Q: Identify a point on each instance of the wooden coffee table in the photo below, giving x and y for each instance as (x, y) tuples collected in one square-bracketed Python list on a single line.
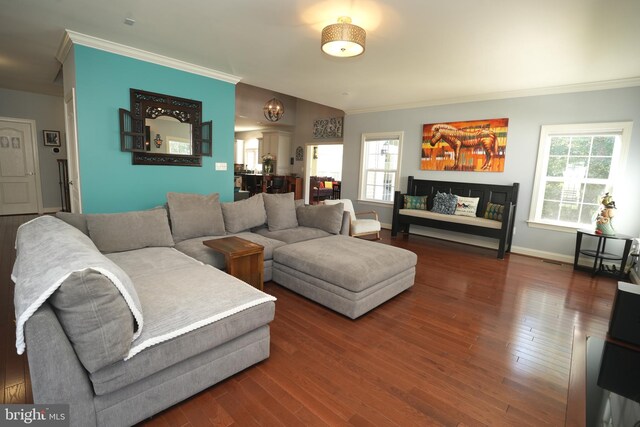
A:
[(244, 259)]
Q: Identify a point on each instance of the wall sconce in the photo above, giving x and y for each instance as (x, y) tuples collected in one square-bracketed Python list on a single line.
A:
[(273, 110), (158, 140)]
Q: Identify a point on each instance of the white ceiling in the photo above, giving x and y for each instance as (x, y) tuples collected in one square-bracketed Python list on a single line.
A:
[(419, 52)]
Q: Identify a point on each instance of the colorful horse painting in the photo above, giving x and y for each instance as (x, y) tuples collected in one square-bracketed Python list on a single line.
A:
[(465, 136)]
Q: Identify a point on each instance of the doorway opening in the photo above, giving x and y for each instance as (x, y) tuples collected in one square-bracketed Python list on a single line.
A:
[(323, 172)]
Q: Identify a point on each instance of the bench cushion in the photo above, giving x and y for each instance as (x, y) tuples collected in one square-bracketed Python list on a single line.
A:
[(480, 222)]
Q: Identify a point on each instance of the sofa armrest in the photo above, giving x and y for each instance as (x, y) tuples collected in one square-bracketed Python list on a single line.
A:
[(57, 376)]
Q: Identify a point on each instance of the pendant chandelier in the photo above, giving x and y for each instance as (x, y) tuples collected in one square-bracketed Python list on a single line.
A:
[(273, 110), (343, 39)]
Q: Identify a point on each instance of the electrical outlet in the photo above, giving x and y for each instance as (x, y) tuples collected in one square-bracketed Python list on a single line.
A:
[(220, 166)]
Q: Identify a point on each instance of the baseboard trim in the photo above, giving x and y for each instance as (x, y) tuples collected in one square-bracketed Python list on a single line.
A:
[(453, 236), (565, 259), (52, 210), (490, 244)]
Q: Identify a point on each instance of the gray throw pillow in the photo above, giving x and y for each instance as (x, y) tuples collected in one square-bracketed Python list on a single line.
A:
[(95, 318), (244, 214), (129, 230), (195, 215), (324, 217), (281, 211), (79, 221), (444, 203)]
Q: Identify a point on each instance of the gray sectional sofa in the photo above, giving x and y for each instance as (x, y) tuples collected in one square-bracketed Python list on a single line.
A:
[(131, 313)]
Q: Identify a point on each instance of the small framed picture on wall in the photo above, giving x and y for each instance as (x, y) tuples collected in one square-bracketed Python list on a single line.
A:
[(51, 138)]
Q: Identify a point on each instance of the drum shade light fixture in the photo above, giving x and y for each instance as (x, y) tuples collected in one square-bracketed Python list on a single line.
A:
[(343, 39), (273, 110)]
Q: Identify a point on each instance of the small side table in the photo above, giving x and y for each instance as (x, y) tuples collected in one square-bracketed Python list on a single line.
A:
[(600, 254), (244, 259)]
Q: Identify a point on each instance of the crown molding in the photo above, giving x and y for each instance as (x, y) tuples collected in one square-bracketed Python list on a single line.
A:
[(552, 90), (72, 37)]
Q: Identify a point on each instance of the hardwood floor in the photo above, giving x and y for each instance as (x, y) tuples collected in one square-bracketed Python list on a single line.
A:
[(476, 341)]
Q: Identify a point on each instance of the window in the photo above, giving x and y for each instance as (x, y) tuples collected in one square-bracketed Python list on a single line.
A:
[(380, 164), (577, 164), (179, 145)]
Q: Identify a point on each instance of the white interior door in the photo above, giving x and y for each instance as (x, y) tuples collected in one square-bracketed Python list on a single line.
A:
[(19, 168), (75, 200)]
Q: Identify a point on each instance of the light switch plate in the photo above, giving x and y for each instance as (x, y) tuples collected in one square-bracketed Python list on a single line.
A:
[(220, 166)]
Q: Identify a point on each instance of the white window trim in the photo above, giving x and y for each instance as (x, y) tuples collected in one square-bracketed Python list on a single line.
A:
[(546, 131), (362, 187)]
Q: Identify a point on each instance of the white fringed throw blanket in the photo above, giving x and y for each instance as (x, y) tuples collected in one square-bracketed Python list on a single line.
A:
[(49, 251), (178, 293)]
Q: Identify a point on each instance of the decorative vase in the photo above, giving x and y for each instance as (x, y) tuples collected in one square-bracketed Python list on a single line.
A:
[(267, 168), (604, 219)]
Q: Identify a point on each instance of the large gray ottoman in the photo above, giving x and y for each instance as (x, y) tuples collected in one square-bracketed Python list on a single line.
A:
[(346, 274)]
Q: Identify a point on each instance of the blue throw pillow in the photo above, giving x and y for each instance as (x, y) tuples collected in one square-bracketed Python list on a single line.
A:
[(444, 203)]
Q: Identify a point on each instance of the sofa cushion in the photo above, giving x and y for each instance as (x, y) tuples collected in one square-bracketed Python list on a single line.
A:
[(195, 215), (173, 288), (244, 214), (197, 250), (129, 230), (292, 235), (281, 211), (95, 318), (79, 221), (324, 217)]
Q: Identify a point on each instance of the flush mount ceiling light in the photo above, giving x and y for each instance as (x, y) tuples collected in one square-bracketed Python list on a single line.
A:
[(343, 39), (273, 110)]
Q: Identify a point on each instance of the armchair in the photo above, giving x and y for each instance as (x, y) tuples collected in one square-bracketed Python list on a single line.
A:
[(359, 226)]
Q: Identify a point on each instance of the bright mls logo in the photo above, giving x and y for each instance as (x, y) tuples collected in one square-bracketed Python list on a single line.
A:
[(36, 415)]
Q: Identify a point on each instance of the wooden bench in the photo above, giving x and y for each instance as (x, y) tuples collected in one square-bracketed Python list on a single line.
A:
[(506, 195)]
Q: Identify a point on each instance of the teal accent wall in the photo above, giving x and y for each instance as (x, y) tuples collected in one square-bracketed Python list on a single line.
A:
[(110, 183)]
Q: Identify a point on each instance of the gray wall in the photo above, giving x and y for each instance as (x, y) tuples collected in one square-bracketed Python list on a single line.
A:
[(48, 112), (307, 113), (526, 115), (298, 118)]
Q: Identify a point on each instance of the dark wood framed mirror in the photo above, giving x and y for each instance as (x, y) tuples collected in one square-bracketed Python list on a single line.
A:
[(165, 130)]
